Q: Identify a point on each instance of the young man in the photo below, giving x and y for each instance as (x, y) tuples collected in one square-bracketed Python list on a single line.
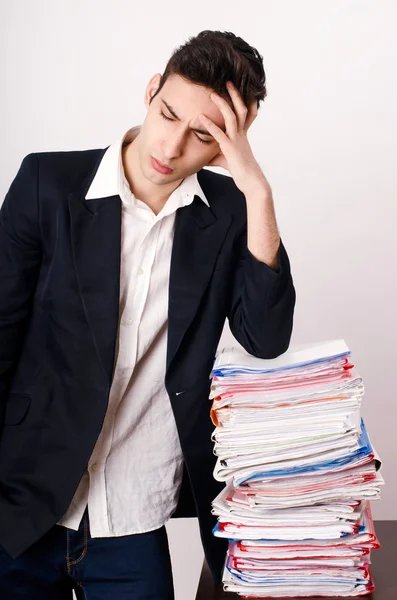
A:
[(118, 268)]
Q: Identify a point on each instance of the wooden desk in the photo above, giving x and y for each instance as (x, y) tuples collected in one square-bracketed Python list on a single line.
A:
[(383, 568)]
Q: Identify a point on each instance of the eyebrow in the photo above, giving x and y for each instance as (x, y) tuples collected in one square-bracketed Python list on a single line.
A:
[(202, 131)]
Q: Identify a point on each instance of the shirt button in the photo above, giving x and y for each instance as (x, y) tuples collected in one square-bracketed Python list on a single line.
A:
[(129, 321), (140, 271), (94, 467)]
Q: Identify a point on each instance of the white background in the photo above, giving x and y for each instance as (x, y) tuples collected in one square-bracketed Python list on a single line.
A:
[(73, 76)]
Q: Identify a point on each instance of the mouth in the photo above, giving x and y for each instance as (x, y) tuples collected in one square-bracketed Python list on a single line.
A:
[(160, 167)]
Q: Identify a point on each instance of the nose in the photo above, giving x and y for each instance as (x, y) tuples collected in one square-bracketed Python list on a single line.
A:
[(173, 146)]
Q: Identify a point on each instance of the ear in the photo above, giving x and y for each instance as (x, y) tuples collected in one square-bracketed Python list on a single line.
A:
[(152, 88)]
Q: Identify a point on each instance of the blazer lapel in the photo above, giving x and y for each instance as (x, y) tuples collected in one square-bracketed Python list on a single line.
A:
[(198, 237), (96, 243)]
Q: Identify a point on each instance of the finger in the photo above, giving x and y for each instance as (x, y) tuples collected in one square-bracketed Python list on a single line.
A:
[(252, 114), (240, 107), (227, 112), (214, 130)]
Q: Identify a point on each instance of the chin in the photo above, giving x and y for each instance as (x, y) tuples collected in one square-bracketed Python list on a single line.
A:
[(155, 177), (148, 172)]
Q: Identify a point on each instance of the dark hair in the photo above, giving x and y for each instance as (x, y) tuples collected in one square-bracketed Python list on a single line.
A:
[(211, 58)]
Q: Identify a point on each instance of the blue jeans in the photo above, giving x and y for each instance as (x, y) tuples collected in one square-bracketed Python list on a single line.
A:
[(131, 567)]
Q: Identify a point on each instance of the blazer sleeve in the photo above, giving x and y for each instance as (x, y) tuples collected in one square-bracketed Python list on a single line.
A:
[(261, 303), (20, 260)]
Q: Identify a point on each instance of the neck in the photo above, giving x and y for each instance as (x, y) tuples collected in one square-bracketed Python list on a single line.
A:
[(154, 195)]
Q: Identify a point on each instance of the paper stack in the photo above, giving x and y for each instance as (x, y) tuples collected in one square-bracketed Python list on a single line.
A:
[(299, 470)]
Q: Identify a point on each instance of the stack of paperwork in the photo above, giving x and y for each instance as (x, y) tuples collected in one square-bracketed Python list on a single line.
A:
[(299, 472)]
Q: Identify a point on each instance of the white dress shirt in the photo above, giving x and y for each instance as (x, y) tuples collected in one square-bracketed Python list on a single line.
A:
[(133, 478)]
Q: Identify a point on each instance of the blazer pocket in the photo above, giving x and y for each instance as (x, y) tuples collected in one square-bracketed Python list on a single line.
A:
[(17, 408)]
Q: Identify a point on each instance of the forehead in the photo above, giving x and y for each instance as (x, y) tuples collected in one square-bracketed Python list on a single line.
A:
[(177, 84), (189, 99)]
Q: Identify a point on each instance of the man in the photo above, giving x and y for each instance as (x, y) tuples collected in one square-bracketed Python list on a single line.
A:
[(118, 268)]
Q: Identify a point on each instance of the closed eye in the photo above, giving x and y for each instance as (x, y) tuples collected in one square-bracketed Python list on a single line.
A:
[(166, 118), (196, 136)]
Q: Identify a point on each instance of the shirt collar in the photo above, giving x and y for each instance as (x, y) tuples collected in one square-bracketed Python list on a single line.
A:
[(110, 179)]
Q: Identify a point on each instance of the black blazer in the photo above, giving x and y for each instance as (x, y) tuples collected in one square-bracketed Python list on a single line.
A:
[(59, 302)]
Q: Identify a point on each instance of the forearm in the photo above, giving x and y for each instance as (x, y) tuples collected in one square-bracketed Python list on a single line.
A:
[(263, 239)]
